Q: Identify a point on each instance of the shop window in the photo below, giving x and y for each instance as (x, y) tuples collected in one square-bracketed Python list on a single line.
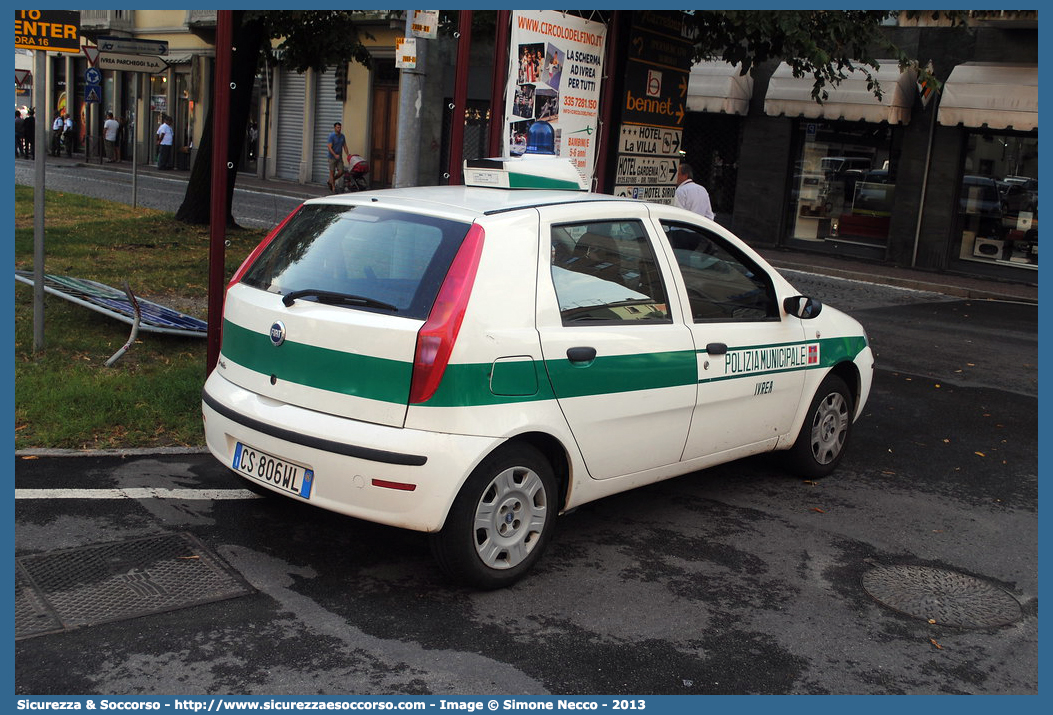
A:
[(843, 183), (998, 200)]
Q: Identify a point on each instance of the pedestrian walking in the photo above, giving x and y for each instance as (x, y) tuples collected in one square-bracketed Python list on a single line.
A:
[(20, 149), (122, 133), (109, 135), (165, 137), (67, 135), (29, 134), (689, 195), (56, 134), (337, 147)]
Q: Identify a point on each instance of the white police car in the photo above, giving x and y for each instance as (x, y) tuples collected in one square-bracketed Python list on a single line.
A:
[(471, 361)]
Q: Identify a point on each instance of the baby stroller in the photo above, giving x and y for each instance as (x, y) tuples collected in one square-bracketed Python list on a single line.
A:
[(353, 176)]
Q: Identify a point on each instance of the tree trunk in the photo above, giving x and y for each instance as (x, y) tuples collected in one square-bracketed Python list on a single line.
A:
[(196, 207)]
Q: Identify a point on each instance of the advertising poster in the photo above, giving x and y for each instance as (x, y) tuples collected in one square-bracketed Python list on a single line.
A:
[(555, 68)]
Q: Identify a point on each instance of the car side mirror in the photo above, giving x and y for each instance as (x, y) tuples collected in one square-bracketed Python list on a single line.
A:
[(802, 307)]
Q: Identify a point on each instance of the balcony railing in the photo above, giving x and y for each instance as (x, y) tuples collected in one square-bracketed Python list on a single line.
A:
[(97, 21), (201, 19)]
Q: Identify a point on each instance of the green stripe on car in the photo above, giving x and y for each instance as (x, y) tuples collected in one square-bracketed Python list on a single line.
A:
[(468, 384), (322, 368)]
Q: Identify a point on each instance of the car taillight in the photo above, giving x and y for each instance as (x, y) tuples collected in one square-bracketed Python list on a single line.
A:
[(439, 333), (259, 249)]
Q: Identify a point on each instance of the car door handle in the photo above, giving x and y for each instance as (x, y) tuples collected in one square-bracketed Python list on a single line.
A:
[(717, 348), (581, 354)]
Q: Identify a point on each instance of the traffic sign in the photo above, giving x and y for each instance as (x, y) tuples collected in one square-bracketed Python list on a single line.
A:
[(650, 141), (92, 53), (654, 194), (646, 170), (131, 63), (655, 97), (23, 77), (92, 93), (132, 47), (92, 76)]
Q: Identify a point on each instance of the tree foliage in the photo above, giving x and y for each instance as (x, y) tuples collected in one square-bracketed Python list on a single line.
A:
[(826, 44), (314, 39), (309, 39)]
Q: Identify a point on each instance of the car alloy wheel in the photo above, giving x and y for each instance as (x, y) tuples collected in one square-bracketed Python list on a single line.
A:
[(824, 435), (501, 520)]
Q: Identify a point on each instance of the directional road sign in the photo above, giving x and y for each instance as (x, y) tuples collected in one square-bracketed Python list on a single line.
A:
[(650, 141), (643, 170), (92, 76), (131, 63), (132, 47)]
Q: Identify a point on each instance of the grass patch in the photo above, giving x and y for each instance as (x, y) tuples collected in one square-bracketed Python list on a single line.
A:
[(65, 396)]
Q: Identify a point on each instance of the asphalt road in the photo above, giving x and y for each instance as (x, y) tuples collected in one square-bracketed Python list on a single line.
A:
[(737, 579), (163, 191)]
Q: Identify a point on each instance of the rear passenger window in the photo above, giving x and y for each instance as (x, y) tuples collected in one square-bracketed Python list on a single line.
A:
[(605, 272), (364, 253), (722, 285)]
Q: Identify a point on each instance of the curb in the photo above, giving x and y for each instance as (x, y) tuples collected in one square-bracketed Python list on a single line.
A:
[(130, 452), (909, 283)]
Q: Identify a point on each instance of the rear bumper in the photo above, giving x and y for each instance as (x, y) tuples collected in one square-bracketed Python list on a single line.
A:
[(356, 465)]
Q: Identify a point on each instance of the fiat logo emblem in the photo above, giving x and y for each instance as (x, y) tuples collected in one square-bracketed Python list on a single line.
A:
[(277, 333)]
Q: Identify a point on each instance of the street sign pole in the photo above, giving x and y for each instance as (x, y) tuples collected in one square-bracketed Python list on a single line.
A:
[(134, 128), (40, 31), (220, 177), (39, 151)]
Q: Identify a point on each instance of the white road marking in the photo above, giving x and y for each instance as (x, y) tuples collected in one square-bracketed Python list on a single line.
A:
[(137, 493)]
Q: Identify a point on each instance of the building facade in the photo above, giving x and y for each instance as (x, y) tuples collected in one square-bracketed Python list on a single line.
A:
[(941, 183), (947, 182)]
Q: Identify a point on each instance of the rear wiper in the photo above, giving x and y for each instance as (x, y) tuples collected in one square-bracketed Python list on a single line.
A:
[(325, 296)]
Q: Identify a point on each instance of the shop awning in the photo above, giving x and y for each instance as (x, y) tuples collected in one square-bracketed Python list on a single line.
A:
[(1001, 96), (716, 86), (178, 58), (851, 99)]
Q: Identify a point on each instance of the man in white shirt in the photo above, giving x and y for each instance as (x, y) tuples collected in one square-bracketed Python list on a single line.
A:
[(689, 195), (56, 136), (165, 136), (109, 134), (67, 135)]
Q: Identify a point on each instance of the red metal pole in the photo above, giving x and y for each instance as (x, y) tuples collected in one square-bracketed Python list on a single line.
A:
[(502, 31), (218, 216), (460, 95), (612, 62)]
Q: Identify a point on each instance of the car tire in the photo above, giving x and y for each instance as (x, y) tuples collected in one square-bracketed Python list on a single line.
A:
[(501, 520), (821, 444)]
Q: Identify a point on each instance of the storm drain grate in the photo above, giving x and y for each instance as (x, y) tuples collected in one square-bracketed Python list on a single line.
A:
[(945, 597), (66, 589)]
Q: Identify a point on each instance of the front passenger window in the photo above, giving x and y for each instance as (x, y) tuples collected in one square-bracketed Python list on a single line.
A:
[(722, 285), (605, 272)]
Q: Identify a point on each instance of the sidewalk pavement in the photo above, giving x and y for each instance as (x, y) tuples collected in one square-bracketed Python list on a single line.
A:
[(825, 264)]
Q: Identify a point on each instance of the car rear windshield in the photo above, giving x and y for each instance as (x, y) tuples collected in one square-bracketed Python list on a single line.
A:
[(378, 259)]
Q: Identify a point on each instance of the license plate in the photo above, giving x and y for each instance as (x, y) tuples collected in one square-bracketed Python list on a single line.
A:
[(263, 467)]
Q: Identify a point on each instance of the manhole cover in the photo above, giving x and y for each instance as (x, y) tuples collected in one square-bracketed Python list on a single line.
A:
[(947, 597), (60, 590)]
